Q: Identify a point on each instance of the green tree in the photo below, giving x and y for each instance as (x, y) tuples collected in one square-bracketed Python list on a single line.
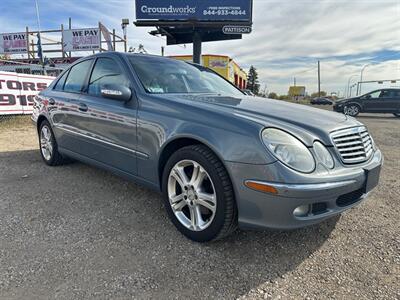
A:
[(314, 95), (283, 97), (273, 95), (252, 81)]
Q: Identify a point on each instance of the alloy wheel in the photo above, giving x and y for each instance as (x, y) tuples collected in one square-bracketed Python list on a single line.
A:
[(351, 110), (192, 195), (46, 145)]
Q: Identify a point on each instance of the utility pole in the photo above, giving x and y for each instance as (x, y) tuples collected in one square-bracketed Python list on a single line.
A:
[(197, 39), (319, 80)]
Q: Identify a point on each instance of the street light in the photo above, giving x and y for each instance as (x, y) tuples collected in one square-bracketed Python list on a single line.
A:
[(361, 76), (124, 24), (351, 87), (348, 84)]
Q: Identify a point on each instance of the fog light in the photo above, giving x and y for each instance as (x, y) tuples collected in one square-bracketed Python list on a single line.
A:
[(302, 210)]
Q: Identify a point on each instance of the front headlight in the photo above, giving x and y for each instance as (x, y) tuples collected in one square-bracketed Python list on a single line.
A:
[(288, 149), (323, 155)]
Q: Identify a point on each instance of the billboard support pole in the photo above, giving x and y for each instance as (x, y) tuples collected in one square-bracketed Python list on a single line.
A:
[(27, 42), (197, 47), (113, 41), (62, 41), (69, 27)]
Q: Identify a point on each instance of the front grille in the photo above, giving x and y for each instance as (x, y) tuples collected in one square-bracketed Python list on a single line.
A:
[(354, 145)]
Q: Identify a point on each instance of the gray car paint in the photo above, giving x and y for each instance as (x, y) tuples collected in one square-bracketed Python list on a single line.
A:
[(129, 138)]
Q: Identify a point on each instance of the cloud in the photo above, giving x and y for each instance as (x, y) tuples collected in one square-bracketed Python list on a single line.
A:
[(288, 37)]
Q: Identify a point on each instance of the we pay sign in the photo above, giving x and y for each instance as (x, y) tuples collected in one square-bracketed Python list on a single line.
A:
[(81, 39), (13, 43)]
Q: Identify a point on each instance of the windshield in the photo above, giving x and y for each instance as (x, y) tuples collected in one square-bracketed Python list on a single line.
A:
[(165, 76)]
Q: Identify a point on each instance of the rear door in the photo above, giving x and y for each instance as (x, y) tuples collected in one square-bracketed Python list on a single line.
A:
[(393, 102), (109, 126), (372, 102), (388, 103), (397, 99)]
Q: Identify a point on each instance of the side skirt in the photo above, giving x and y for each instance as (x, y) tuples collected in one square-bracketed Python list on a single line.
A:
[(113, 170)]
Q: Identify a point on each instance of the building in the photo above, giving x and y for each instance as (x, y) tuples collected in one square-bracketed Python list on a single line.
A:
[(223, 65), (297, 92)]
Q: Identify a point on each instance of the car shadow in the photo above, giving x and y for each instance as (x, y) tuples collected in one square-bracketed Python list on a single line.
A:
[(117, 239), (378, 117)]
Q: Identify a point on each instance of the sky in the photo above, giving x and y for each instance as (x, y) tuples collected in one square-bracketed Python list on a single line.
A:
[(288, 37)]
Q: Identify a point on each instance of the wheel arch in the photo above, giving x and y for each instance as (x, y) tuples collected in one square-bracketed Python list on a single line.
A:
[(179, 142), (355, 103), (39, 121)]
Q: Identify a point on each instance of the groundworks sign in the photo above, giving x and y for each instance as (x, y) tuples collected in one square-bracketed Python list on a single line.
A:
[(205, 10)]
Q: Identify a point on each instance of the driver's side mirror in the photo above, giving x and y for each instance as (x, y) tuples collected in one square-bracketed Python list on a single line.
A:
[(116, 92), (367, 97)]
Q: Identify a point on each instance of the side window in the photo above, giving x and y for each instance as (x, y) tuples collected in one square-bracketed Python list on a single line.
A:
[(76, 77), (375, 94), (105, 71), (60, 83), (384, 94)]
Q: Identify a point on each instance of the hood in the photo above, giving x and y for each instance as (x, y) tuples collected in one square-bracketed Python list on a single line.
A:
[(302, 120), (345, 100)]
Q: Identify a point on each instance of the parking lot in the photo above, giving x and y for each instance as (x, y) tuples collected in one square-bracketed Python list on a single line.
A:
[(79, 232)]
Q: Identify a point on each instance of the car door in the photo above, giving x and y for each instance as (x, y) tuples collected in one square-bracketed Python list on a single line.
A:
[(108, 126), (396, 100), (372, 102), (64, 104), (391, 101), (387, 103)]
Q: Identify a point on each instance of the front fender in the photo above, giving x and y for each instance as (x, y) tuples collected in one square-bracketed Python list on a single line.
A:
[(227, 145)]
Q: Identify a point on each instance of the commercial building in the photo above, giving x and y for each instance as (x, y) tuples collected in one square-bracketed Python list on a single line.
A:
[(223, 65), (297, 92)]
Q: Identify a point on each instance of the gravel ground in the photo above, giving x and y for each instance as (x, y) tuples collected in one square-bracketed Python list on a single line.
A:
[(79, 232)]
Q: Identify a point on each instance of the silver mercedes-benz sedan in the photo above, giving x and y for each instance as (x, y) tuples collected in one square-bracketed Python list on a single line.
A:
[(222, 159)]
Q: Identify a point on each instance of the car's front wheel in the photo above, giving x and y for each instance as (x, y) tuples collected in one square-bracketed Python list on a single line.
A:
[(48, 146), (352, 110), (198, 194)]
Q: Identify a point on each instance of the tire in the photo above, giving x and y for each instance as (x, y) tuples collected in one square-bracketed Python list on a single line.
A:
[(352, 110), (48, 146), (396, 115), (207, 192)]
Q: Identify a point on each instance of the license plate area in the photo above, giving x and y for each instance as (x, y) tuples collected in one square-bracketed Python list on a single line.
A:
[(372, 178)]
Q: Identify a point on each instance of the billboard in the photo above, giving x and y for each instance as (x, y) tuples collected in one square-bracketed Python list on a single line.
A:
[(86, 39), (205, 10), (17, 91), (13, 43)]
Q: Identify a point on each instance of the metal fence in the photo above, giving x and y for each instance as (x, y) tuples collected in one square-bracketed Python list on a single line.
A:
[(34, 69)]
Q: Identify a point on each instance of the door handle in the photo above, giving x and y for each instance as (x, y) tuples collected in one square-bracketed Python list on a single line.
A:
[(52, 101), (82, 107)]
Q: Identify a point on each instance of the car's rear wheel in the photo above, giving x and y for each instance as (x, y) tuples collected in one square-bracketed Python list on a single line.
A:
[(352, 110), (397, 115), (199, 195), (48, 146)]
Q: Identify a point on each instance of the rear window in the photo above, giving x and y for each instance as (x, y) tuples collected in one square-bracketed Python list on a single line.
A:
[(60, 83)]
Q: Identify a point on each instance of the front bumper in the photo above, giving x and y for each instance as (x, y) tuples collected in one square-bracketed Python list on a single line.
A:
[(338, 107), (326, 194)]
